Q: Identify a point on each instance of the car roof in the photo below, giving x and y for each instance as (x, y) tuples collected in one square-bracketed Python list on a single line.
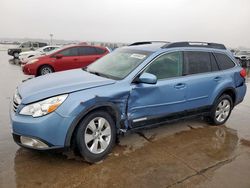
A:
[(80, 45)]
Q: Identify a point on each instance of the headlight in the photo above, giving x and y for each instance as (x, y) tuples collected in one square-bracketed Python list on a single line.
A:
[(44, 107), (32, 61)]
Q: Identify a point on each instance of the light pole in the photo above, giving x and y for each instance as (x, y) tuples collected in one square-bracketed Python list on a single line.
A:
[(51, 36)]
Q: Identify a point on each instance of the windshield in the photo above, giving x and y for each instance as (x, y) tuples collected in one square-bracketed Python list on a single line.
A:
[(243, 53), (53, 51), (118, 64), (40, 49)]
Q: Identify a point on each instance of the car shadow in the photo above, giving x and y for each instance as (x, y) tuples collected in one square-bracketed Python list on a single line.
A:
[(164, 151), (14, 61)]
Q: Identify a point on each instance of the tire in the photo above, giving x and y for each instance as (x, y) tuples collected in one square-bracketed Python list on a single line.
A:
[(45, 69), (96, 136), (15, 55), (221, 110)]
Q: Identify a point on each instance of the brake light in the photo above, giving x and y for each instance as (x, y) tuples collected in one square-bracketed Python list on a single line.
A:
[(243, 73)]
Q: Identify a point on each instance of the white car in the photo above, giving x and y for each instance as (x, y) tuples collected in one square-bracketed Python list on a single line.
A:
[(25, 56)]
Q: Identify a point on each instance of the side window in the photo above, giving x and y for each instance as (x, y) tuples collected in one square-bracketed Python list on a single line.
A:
[(26, 45), (69, 52), (42, 44), (35, 45), (87, 51), (196, 62), (46, 49), (224, 61), (100, 50), (166, 66)]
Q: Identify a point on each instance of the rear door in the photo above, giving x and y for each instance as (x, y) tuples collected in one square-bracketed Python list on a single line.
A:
[(88, 55), (70, 59), (202, 74)]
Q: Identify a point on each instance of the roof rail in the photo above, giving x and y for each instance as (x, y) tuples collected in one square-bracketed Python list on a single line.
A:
[(147, 42), (195, 44)]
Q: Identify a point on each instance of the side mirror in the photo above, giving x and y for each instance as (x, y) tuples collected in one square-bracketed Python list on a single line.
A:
[(147, 78), (58, 56)]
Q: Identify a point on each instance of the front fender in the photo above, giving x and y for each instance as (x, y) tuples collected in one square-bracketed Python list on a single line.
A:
[(84, 112)]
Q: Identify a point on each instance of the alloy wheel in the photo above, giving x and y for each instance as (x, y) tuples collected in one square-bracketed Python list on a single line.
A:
[(97, 135), (223, 110)]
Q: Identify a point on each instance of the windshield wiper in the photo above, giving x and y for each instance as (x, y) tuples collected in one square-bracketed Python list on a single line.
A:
[(93, 72), (96, 73)]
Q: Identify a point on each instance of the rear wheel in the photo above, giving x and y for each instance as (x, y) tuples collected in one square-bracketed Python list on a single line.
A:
[(95, 136), (221, 110), (15, 55), (45, 69)]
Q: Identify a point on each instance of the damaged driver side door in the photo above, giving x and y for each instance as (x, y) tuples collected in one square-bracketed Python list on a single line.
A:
[(149, 102)]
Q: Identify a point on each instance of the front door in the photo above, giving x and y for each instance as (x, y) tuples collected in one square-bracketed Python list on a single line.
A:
[(166, 97), (69, 60)]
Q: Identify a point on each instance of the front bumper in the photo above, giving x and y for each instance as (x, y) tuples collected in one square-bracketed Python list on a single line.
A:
[(27, 70), (10, 52), (18, 140), (50, 130)]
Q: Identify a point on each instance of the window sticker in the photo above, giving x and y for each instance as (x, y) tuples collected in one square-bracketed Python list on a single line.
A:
[(138, 56)]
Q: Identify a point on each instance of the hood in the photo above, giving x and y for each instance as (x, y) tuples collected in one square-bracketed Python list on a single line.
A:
[(59, 83), (26, 53)]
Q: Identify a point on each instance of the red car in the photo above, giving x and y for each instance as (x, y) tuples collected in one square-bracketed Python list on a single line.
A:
[(72, 57)]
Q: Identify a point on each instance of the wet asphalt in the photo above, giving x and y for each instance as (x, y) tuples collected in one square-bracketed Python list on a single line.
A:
[(188, 153)]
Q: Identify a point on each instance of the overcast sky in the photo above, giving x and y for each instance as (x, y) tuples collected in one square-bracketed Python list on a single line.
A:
[(224, 21)]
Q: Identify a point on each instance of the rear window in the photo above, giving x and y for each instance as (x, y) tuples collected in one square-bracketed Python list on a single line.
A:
[(224, 61), (196, 62), (100, 50)]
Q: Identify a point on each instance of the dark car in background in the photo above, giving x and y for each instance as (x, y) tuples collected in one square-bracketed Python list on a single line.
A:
[(70, 57), (243, 57), (26, 46)]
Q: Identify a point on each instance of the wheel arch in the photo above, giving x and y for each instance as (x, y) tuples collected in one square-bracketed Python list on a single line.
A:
[(229, 91), (31, 56), (111, 108)]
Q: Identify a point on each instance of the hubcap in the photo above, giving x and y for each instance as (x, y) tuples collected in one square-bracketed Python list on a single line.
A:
[(46, 70), (97, 135), (222, 110), (16, 55)]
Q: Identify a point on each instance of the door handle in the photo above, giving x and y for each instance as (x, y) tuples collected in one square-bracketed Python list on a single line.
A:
[(180, 86), (75, 59), (217, 78)]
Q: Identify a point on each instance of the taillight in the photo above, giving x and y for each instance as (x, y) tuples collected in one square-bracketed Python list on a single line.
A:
[(243, 73)]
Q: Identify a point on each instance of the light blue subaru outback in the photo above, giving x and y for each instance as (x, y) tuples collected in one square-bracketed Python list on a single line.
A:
[(143, 84)]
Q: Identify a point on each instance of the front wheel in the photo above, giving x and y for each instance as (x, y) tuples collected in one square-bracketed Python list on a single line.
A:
[(95, 136), (45, 69), (221, 110)]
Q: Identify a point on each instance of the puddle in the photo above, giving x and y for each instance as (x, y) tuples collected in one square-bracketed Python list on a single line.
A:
[(157, 163)]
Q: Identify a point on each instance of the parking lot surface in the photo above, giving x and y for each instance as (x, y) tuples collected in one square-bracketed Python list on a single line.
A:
[(187, 153)]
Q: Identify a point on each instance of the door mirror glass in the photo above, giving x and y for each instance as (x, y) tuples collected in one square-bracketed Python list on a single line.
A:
[(147, 78), (58, 56)]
